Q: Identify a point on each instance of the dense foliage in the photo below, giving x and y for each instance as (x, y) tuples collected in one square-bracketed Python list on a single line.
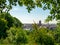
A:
[(38, 36), (17, 36), (11, 31), (7, 21)]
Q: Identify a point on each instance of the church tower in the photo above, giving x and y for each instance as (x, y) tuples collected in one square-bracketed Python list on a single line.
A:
[(40, 23)]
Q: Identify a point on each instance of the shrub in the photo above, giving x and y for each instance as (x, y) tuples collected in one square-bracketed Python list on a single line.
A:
[(17, 36)]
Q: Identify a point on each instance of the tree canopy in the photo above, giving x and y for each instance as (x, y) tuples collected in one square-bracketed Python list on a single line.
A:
[(10, 27), (52, 5), (7, 21)]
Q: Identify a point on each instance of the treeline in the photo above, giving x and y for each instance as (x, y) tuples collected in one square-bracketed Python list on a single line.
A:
[(12, 33)]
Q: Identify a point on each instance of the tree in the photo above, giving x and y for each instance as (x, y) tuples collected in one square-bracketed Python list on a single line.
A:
[(17, 22), (17, 36), (42, 36), (3, 27), (11, 21), (52, 5), (7, 21), (57, 33)]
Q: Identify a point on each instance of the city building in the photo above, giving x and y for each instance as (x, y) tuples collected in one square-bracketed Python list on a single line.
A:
[(30, 26)]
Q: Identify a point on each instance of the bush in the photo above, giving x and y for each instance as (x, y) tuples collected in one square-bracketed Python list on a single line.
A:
[(17, 36), (7, 21), (42, 36)]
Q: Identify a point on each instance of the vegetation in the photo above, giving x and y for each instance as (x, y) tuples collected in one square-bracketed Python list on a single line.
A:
[(11, 31), (38, 36), (15, 35), (7, 21), (52, 5)]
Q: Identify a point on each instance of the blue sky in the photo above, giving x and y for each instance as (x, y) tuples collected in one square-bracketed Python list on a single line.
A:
[(35, 15)]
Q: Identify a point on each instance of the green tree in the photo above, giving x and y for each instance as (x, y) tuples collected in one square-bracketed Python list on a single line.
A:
[(7, 21), (42, 36), (17, 36), (52, 5), (11, 21), (57, 33), (3, 27), (17, 22)]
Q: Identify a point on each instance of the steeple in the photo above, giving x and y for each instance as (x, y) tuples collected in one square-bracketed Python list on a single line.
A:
[(40, 23)]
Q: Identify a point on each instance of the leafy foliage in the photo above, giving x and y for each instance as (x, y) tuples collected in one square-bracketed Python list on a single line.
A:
[(7, 21), (52, 5), (17, 22), (10, 27), (3, 27), (43, 37), (16, 36), (38, 36)]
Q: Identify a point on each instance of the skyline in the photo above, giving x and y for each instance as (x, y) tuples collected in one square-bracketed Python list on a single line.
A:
[(35, 15)]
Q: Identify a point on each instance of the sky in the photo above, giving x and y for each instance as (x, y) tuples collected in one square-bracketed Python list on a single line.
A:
[(34, 16)]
